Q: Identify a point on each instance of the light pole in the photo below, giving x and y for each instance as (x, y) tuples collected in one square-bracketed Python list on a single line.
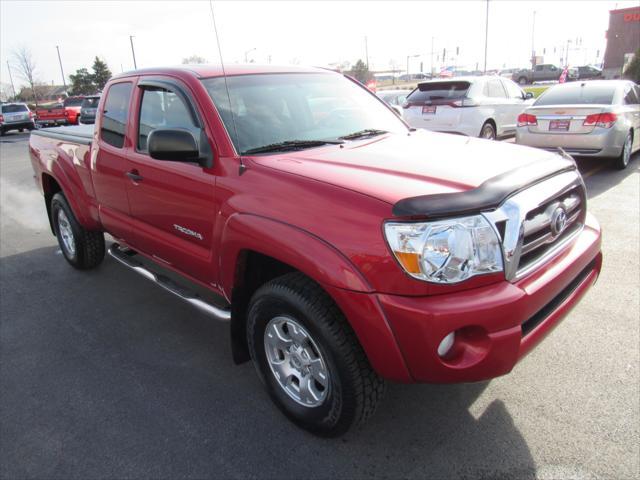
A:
[(533, 51), (246, 58), (486, 37), (366, 51), (61, 70), (11, 78), (432, 40), (408, 57), (133, 52)]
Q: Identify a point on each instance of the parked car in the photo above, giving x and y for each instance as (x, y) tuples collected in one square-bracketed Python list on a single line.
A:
[(72, 107), (485, 106), (599, 118), (588, 72), (342, 249), (15, 116), (541, 73), (507, 72), (88, 109), (51, 114), (394, 98)]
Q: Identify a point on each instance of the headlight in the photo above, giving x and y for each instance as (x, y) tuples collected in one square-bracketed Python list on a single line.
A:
[(446, 251)]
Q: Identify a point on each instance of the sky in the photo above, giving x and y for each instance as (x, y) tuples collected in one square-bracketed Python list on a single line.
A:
[(304, 32)]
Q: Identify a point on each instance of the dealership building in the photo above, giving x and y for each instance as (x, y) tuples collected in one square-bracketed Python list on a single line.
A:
[(623, 40)]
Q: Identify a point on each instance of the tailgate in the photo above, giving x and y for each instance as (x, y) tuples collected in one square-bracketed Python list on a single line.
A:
[(564, 120), (55, 113)]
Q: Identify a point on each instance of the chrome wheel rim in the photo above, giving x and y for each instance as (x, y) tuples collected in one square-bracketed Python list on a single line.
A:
[(487, 133), (296, 362), (66, 234), (626, 153)]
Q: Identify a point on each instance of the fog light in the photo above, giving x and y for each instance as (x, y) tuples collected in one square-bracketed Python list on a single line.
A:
[(446, 344)]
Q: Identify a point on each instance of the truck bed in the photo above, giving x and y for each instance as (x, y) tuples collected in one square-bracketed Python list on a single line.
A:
[(82, 134)]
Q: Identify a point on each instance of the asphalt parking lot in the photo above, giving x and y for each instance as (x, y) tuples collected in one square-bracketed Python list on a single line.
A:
[(104, 375)]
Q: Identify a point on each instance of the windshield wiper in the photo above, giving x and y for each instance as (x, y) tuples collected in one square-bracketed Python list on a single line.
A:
[(367, 132), (291, 145)]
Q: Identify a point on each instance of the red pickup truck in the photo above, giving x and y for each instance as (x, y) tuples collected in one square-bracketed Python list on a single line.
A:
[(343, 247), (51, 114)]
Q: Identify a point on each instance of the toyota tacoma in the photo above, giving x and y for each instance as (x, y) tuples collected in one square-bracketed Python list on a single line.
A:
[(343, 248)]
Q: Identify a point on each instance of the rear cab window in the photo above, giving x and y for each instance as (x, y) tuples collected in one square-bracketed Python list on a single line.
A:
[(73, 102), (91, 102), (436, 92), (116, 111), (578, 94)]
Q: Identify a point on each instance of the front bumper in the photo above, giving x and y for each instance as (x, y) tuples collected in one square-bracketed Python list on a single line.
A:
[(495, 326)]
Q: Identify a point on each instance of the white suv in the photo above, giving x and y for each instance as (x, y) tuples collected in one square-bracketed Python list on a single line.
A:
[(486, 107)]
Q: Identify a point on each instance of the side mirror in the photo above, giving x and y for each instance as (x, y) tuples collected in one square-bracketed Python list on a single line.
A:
[(528, 95), (173, 144)]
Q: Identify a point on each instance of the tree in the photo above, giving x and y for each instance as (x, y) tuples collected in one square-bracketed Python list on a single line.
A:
[(194, 60), (101, 74), (82, 83), (361, 72), (632, 72), (26, 68)]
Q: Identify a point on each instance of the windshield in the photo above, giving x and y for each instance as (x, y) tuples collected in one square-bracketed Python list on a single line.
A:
[(578, 94), (274, 108), (14, 108)]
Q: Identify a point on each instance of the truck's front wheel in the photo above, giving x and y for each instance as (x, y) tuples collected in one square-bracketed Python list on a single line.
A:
[(82, 248), (309, 358)]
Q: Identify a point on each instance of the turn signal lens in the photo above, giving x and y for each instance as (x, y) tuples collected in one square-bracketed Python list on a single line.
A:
[(445, 251)]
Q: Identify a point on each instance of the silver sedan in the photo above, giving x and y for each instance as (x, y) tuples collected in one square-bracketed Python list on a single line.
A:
[(599, 118)]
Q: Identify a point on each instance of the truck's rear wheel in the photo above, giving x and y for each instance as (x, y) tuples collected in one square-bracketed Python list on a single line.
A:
[(523, 80), (82, 248), (309, 358)]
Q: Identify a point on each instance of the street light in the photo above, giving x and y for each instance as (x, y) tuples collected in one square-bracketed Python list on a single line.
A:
[(246, 58), (61, 70), (408, 57), (133, 52)]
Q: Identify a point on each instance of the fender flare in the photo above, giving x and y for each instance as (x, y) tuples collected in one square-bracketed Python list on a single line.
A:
[(65, 175), (324, 264), (282, 241)]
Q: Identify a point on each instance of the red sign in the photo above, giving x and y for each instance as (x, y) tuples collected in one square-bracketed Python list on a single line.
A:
[(632, 17)]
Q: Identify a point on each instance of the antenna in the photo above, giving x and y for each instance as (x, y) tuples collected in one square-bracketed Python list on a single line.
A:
[(226, 86)]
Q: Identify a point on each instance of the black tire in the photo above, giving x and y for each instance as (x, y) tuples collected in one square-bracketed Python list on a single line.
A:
[(523, 80), (89, 248), (622, 161), (488, 131), (1, 132), (354, 389), (21, 130)]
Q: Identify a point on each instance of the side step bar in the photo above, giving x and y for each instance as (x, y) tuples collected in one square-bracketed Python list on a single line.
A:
[(126, 258)]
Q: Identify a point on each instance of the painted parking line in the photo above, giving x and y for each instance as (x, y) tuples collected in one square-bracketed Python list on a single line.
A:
[(594, 170)]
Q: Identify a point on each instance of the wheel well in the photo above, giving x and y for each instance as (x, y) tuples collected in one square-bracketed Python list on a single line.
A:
[(493, 123), (50, 188), (253, 270)]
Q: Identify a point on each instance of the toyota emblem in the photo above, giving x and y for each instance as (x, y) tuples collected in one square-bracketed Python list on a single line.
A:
[(558, 221)]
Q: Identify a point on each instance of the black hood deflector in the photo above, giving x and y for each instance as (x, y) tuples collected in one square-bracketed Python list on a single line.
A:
[(488, 195)]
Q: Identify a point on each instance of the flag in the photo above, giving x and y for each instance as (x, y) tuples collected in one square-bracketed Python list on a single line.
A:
[(563, 76)]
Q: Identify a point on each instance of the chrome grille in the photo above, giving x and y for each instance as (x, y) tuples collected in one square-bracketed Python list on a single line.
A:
[(538, 222)]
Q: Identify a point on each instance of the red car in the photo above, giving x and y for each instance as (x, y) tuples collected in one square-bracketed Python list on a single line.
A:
[(72, 109), (51, 114), (343, 248)]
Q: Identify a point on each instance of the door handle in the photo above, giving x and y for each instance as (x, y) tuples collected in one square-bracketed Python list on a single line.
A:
[(134, 175)]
